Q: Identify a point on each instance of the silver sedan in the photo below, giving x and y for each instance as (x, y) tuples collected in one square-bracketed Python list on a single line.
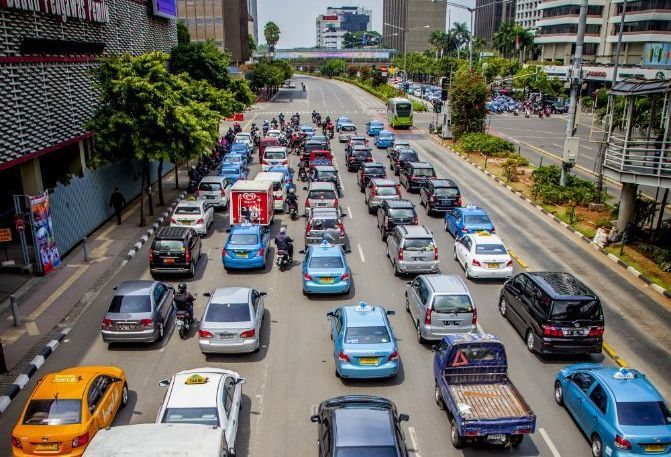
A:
[(232, 321)]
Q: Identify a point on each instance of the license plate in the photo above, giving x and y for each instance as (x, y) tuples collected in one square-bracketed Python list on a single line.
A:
[(211, 197), (242, 255), (125, 326), (574, 333), (368, 360), (492, 265), (654, 447), (46, 447), (496, 437), (225, 336), (452, 322), (186, 221), (168, 260), (418, 258), (327, 280)]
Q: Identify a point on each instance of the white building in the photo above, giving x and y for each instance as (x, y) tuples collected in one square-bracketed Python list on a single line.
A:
[(526, 13), (337, 21)]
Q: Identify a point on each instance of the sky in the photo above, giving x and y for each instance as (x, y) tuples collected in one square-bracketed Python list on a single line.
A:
[(296, 18)]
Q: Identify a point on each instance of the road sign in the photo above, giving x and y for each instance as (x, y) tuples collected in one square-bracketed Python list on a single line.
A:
[(5, 235), (19, 223)]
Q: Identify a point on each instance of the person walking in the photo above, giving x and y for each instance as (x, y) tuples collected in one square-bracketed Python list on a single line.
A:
[(118, 202)]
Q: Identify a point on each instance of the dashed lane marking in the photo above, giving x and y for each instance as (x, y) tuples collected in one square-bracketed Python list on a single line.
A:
[(549, 442), (414, 441), (349, 212), (363, 259)]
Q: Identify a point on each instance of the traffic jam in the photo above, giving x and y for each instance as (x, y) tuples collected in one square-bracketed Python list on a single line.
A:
[(71, 412)]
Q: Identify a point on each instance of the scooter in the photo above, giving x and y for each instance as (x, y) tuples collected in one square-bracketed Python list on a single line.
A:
[(293, 212), (282, 261), (527, 112), (183, 322)]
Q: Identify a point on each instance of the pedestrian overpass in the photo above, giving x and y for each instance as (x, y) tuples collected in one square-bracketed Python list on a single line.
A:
[(315, 56)]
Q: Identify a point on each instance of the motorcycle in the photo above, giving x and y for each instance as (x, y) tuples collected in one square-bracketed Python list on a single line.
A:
[(183, 322), (527, 112), (293, 211), (330, 133), (302, 174), (548, 111), (193, 185), (282, 261)]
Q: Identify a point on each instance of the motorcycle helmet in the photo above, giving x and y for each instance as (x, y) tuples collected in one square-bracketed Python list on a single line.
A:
[(292, 191), (181, 288), (283, 230)]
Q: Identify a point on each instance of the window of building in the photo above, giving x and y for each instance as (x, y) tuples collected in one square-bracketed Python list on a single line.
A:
[(590, 29), (572, 10), (645, 5), (644, 26)]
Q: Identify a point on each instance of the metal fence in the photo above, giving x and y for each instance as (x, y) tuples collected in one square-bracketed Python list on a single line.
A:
[(638, 156)]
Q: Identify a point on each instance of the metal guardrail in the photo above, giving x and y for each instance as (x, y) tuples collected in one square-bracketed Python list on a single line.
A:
[(638, 156)]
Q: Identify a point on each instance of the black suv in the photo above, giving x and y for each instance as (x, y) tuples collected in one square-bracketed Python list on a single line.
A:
[(368, 171), (395, 212), (360, 425), (555, 312), (439, 195), (174, 250), (413, 174), (398, 157), (357, 156)]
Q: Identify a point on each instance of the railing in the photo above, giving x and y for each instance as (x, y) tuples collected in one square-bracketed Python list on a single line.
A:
[(638, 156)]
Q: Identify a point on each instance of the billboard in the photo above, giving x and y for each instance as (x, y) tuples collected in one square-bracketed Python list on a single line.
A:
[(43, 231), (165, 8), (657, 55)]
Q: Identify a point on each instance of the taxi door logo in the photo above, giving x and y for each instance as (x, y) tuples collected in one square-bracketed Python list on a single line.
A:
[(249, 207)]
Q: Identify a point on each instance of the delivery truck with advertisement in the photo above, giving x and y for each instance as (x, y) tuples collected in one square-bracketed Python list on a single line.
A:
[(252, 202)]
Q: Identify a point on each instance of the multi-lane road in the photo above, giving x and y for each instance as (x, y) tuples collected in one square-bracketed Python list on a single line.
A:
[(294, 369)]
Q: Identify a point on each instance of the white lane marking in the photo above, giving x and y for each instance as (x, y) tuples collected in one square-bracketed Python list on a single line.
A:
[(363, 259), (555, 144), (549, 442), (349, 212), (414, 441)]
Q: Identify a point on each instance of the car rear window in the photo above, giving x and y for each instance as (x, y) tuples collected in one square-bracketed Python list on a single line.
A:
[(168, 245), (419, 244), (230, 171), (477, 219), (375, 170), (327, 174), (368, 451), (53, 411), (387, 190), (423, 172), (227, 312), (493, 249), (452, 304), (348, 128), (209, 186), (367, 335), (326, 262), (446, 191), (362, 153), (322, 195), (203, 416), (187, 210), (576, 309), (324, 224), (401, 212), (410, 156), (130, 304), (643, 413), (275, 155), (240, 239)]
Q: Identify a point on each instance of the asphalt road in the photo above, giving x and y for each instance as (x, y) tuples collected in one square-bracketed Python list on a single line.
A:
[(294, 369)]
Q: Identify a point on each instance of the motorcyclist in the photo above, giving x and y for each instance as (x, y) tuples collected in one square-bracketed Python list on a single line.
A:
[(292, 199), (237, 128), (193, 174), (285, 243), (184, 300), (273, 123)]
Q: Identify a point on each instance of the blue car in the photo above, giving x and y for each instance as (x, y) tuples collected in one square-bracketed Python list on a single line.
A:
[(288, 175), (384, 139), (233, 172), (325, 270), (618, 410), (240, 148), (246, 247), (468, 219), (307, 130), (340, 121), (373, 127), (364, 345), (233, 159)]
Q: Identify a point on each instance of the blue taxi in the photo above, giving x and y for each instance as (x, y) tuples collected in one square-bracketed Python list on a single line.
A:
[(618, 410), (233, 172), (364, 345), (325, 270), (288, 175), (246, 247), (307, 130), (233, 158), (468, 219), (373, 127), (242, 149), (384, 139)]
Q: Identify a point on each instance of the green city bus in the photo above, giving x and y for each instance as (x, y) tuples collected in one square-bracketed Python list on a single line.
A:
[(399, 112)]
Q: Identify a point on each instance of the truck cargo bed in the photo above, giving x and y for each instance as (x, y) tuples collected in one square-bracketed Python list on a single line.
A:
[(488, 401)]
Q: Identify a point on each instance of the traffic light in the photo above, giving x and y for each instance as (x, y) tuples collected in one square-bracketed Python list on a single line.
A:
[(444, 85)]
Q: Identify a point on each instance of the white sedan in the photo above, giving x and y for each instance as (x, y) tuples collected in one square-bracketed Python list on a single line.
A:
[(197, 214), (206, 396), (483, 255)]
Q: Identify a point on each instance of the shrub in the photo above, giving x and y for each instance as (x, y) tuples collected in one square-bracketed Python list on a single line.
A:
[(587, 101), (577, 190), (467, 100), (510, 167), (486, 144), (352, 70), (364, 71), (661, 256), (418, 106)]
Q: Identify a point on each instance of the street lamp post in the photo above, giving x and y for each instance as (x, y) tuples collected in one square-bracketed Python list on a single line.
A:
[(405, 42), (378, 38)]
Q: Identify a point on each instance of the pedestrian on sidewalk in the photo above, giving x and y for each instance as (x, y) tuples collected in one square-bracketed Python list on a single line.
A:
[(117, 201)]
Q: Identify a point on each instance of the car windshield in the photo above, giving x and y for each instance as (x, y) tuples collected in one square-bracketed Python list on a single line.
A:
[(477, 219), (384, 135), (187, 210), (53, 411), (168, 246), (362, 154), (233, 159), (275, 155), (403, 109), (374, 170), (326, 262), (203, 416), (321, 195), (241, 239), (327, 174), (409, 156), (576, 309), (230, 171), (368, 451), (344, 119), (367, 335), (227, 312), (419, 244), (446, 191), (643, 413), (348, 128), (324, 224), (209, 186), (424, 172), (493, 249), (401, 212), (452, 304), (130, 304), (387, 190)]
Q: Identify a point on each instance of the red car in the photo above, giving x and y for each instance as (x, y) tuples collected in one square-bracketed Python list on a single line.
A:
[(265, 142)]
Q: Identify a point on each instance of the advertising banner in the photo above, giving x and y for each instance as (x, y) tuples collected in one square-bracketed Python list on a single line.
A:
[(657, 55), (85, 10), (43, 231), (165, 8)]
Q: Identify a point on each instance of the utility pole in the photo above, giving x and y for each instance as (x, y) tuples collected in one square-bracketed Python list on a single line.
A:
[(571, 142)]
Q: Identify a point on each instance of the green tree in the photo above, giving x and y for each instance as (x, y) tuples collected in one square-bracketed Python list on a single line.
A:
[(201, 60), (460, 35), (183, 35), (352, 70), (511, 38), (332, 67), (356, 39), (272, 34), (467, 100), (251, 46), (534, 78)]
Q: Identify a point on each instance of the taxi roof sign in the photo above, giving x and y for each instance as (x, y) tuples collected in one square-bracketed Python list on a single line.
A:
[(363, 307), (66, 379), (195, 379), (623, 373)]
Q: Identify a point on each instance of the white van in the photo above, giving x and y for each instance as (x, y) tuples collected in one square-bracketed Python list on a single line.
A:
[(215, 190), (279, 189), (159, 440)]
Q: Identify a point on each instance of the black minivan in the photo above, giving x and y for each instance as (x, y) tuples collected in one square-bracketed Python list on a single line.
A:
[(555, 312), (174, 250)]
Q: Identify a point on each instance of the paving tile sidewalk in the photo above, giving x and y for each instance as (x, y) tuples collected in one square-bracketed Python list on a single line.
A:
[(49, 302)]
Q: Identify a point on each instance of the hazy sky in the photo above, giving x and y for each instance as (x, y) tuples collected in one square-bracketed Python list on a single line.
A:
[(296, 18)]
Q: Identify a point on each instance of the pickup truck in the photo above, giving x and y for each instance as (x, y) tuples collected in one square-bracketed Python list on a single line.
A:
[(472, 384)]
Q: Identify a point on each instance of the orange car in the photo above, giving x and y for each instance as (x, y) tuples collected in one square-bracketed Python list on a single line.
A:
[(66, 410)]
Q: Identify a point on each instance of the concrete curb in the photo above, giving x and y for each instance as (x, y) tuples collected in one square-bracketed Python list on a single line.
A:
[(30, 370), (633, 271)]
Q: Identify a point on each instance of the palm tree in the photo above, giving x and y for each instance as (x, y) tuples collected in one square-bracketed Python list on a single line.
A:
[(272, 34), (461, 33), (504, 38), (438, 40)]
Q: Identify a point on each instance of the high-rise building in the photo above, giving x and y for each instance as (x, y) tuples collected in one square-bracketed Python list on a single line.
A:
[(236, 29), (337, 21), (490, 14), (413, 16), (527, 13), (252, 8)]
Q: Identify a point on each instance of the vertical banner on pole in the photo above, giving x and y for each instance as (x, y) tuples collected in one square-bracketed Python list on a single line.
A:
[(43, 230)]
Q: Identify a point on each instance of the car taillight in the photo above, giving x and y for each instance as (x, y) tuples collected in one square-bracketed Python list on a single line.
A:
[(400, 254), (459, 200), (622, 443), (200, 221), (394, 355), (107, 324), (344, 357), (260, 252), (509, 263), (549, 330), (147, 323), (307, 202), (432, 199), (435, 253), (415, 220), (476, 263), (373, 192), (151, 255), (465, 230), (197, 193), (595, 331), (16, 442), (173, 220), (308, 229), (223, 193), (187, 256), (204, 334), (474, 321), (307, 277), (427, 316), (80, 440), (264, 162), (493, 230), (342, 230), (344, 276), (248, 333), (336, 202)]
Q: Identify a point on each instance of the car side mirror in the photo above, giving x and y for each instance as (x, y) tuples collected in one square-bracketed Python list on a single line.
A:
[(408, 283), (115, 287), (240, 381), (164, 383), (434, 347), (391, 312), (348, 251), (330, 314), (301, 252), (263, 294), (228, 230), (403, 418), (305, 188), (315, 419), (207, 294), (343, 214)]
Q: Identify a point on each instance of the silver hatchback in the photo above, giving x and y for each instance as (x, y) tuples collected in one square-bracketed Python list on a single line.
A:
[(412, 249), (232, 321), (440, 305), (379, 189), (321, 195)]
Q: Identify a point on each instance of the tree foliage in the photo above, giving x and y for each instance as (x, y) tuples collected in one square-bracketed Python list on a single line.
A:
[(511, 37), (201, 60), (183, 35), (272, 33), (270, 74), (467, 100), (536, 79), (356, 39), (332, 67), (364, 72), (251, 46)]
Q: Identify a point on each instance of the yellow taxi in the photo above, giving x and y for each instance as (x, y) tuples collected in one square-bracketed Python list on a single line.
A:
[(66, 410)]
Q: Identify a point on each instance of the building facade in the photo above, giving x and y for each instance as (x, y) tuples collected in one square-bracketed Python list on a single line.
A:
[(236, 29), (413, 16), (646, 39), (332, 26), (527, 13), (252, 8), (490, 14)]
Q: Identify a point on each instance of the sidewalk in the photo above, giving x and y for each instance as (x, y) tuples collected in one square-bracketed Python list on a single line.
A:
[(46, 303)]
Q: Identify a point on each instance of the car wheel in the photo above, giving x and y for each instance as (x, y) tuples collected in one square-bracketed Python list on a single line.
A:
[(124, 396), (388, 255), (428, 210), (503, 307), (407, 303), (597, 446), (455, 438), (383, 234), (559, 394), (160, 331), (454, 255), (530, 341), (192, 270), (420, 338), (468, 274), (445, 224), (438, 397), (258, 345)]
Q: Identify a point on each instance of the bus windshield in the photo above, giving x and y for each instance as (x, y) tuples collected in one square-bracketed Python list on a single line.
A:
[(403, 109)]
